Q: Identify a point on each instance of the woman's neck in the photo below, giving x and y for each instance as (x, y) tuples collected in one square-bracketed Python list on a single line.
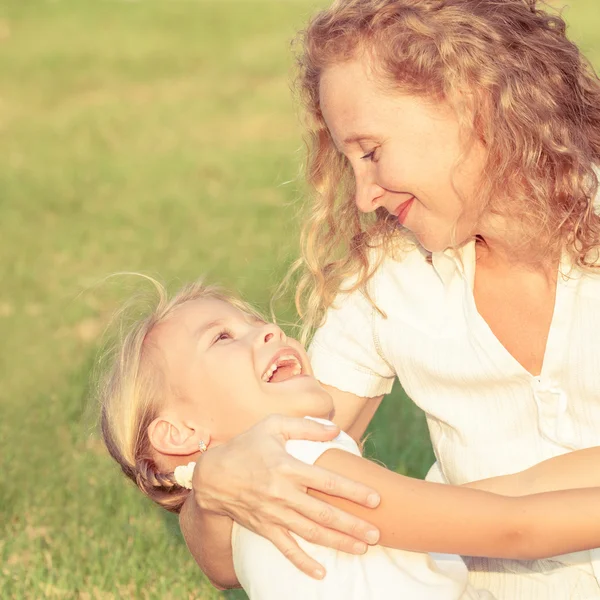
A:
[(502, 244)]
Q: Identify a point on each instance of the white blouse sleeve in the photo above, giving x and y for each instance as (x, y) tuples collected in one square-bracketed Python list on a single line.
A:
[(266, 574), (309, 451), (345, 352)]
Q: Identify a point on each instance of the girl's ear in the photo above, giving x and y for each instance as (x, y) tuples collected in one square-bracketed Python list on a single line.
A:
[(171, 436)]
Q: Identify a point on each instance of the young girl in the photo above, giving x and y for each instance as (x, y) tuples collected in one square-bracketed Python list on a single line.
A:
[(452, 243), (203, 368)]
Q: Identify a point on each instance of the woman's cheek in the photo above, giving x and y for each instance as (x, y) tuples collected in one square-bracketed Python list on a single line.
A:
[(390, 174)]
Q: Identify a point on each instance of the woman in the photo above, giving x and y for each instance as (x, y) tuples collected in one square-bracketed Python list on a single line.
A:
[(474, 125)]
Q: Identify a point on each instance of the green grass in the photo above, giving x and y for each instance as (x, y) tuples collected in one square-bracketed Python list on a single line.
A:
[(155, 136)]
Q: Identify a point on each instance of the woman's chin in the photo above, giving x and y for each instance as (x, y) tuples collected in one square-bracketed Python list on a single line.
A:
[(431, 243), (434, 245)]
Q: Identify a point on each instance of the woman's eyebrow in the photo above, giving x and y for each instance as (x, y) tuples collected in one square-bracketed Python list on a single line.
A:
[(355, 138), (352, 139)]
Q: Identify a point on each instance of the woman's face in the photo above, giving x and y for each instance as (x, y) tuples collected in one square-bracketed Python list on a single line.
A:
[(221, 367), (406, 153)]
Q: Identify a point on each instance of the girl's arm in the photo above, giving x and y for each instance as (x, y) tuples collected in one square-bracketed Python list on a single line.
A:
[(429, 517), (577, 469)]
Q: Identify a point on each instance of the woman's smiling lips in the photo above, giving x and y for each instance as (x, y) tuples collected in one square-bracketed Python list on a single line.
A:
[(402, 210)]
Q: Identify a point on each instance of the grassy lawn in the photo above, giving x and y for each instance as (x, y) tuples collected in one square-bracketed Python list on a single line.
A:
[(153, 136)]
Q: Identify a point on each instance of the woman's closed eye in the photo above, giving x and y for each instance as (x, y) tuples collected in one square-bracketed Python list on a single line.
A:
[(370, 155)]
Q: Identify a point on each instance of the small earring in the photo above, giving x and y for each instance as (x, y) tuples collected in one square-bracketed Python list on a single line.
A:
[(202, 446)]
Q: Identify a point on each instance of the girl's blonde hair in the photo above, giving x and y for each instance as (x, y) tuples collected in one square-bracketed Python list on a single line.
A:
[(516, 83), (132, 389)]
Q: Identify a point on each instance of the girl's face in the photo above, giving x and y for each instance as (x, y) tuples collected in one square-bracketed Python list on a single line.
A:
[(406, 153), (227, 370)]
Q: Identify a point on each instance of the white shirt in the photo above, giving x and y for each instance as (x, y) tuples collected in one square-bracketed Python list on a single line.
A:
[(266, 574), (486, 414)]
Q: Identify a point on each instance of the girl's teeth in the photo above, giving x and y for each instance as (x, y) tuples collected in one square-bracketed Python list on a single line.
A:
[(269, 372)]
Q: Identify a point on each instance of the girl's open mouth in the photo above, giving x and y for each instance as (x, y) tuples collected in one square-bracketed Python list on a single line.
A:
[(284, 367)]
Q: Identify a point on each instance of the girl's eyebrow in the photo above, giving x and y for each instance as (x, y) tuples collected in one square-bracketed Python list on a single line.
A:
[(206, 327), (200, 331), (258, 320)]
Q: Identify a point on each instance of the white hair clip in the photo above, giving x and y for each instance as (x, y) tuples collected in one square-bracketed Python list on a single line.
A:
[(183, 475)]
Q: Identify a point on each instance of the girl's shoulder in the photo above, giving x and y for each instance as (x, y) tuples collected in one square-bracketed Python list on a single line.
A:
[(309, 451)]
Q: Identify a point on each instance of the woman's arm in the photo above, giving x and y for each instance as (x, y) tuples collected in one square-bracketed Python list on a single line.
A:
[(208, 538), (353, 413), (429, 517), (253, 481), (569, 471)]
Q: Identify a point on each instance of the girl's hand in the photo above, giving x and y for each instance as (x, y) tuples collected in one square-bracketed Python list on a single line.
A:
[(254, 481)]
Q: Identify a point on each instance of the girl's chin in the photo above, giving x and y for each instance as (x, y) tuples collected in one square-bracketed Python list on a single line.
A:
[(325, 410), (320, 409)]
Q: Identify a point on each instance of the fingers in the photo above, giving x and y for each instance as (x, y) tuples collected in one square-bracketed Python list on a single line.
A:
[(298, 428), (327, 525), (288, 546), (333, 484)]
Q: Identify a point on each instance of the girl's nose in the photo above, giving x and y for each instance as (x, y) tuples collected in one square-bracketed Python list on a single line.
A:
[(368, 196), (270, 332)]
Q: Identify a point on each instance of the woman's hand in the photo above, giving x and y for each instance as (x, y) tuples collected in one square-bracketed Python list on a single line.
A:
[(254, 481)]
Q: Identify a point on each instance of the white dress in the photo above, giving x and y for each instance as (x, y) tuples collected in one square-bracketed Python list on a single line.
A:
[(265, 574), (486, 414)]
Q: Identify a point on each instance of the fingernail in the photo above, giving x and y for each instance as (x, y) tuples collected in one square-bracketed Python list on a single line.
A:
[(359, 548), (373, 500), (319, 573), (372, 536), (331, 427)]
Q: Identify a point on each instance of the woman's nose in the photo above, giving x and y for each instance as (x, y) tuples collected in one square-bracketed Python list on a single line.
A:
[(368, 196)]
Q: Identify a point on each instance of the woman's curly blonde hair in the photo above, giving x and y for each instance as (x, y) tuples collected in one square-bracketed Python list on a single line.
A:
[(515, 81), (132, 388)]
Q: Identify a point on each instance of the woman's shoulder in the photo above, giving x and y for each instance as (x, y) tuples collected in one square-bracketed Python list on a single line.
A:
[(403, 276), (583, 281), (403, 284), (399, 252), (394, 264)]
